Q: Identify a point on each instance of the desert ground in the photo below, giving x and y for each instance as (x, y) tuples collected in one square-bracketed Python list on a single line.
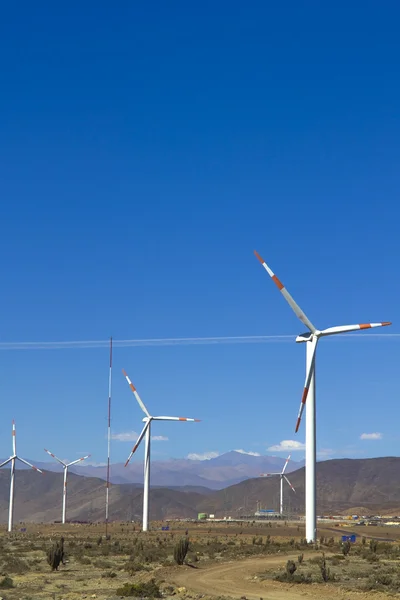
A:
[(224, 560)]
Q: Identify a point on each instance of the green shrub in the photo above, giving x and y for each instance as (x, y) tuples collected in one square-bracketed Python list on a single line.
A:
[(140, 590), (109, 574), (6, 583), (13, 564)]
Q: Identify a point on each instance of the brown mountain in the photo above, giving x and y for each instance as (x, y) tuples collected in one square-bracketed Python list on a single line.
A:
[(38, 498), (344, 485)]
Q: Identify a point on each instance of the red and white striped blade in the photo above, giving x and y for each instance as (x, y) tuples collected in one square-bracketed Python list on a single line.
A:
[(286, 464), (14, 439), (287, 480), (135, 447), (309, 374), (29, 464), (138, 398), (55, 457), (175, 419), (78, 460), (346, 328), (295, 307)]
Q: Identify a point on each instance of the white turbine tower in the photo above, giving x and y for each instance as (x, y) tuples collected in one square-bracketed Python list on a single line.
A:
[(146, 431), (65, 467), (282, 477), (12, 460), (311, 337)]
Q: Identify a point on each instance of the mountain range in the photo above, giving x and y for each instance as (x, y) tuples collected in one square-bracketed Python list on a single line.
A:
[(344, 485), (214, 473)]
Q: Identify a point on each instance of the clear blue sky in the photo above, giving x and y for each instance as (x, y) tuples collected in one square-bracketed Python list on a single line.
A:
[(145, 151)]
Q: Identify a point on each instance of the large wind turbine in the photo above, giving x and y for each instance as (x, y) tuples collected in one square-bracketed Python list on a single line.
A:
[(311, 337), (146, 432), (12, 460), (282, 477), (65, 467)]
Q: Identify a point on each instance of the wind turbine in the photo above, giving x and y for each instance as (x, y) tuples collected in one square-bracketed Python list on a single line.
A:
[(282, 477), (12, 460), (311, 337), (146, 431), (65, 467)]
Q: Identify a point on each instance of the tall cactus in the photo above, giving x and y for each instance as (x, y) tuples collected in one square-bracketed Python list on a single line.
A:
[(180, 551), (55, 555)]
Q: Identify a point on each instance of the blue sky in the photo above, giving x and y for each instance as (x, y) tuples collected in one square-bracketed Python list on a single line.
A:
[(145, 152)]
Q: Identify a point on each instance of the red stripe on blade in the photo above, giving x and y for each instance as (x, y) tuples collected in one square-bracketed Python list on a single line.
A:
[(297, 425), (304, 396), (278, 283)]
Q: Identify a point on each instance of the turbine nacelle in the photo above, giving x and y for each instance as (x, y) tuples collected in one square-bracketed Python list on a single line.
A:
[(305, 337)]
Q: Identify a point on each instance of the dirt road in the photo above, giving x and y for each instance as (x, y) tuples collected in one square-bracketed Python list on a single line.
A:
[(238, 579)]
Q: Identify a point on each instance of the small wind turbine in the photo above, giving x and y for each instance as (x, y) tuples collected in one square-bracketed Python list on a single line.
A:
[(282, 477), (146, 432), (65, 467), (311, 338), (12, 460)]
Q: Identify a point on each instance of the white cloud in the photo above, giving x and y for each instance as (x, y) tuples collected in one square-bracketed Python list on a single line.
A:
[(287, 445), (128, 436), (204, 456), (325, 453), (132, 436), (91, 464), (371, 436), (249, 453)]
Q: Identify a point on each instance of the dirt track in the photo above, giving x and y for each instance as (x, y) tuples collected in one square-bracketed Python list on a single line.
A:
[(237, 579)]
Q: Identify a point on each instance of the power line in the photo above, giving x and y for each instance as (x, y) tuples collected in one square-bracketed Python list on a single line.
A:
[(187, 341)]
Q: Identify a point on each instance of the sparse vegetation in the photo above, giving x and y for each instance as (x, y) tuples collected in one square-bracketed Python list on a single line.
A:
[(133, 558)]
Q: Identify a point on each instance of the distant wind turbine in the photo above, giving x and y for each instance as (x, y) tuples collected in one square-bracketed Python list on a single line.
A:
[(65, 467), (12, 460), (146, 432), (282, 477)]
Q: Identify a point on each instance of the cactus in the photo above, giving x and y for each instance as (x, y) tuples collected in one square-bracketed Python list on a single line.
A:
[(180, 551), (55, 555)]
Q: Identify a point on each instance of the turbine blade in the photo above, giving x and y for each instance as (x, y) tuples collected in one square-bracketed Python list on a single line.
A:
[(345, 328), (138, 398), (29, 464), (309, 374), (268, 474), (287, 480), (54, 456), (295, 307), (14, 439), (175, 419), (6, 461), (285, 465), (135, 447), (78, 460)]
